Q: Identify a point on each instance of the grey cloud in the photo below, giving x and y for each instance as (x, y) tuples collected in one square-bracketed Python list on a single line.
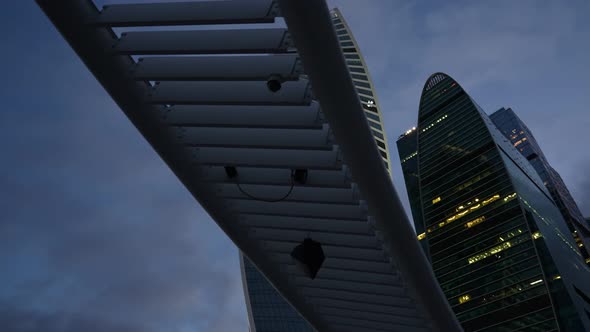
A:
[(96, 233), (15, 320)]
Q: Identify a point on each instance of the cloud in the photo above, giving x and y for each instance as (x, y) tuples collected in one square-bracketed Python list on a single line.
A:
[(96, 233), (15, 320)]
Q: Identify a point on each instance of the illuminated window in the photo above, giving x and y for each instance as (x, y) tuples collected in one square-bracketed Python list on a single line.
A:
[(511, 235), (489, 252), (475, 207), (473, 180), (421, 236), (414, 154), (509, 197), (475, 221), (537, 235), (467, 208), (490, 200), (548, 222), (434, 123), (410, 130), (464, 298), (436, 200)]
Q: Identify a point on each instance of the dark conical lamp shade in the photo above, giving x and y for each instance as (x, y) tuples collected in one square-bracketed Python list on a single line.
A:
[(309, 257)]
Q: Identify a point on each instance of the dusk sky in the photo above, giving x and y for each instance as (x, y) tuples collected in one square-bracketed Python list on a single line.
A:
[(97, 234)]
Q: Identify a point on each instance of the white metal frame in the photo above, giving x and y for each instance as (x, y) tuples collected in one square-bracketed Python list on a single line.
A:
[(199, 97)]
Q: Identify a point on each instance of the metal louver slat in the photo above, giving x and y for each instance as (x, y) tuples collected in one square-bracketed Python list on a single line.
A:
[(357, 241), (203, 41), (335, 251), (342, 264), (176, 13), (355, 328), (229, 93), (380, 317), (334, 225), (313, 159), (367, 307), (386, 290), (356, 296), (337, 211), (303, 139), (251, 116), (318, 178), (210, 68), (328, 272), (375, 325), (297, 194)]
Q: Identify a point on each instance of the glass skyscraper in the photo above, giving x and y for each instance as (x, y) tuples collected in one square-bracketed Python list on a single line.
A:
[(267, 309), (523, 140), (498, 244), (407, 146)]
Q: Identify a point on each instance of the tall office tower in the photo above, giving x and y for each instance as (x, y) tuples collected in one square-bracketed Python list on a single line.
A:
[(407, 147), (498, 244), (363, 83), (522, 138), (267, 310)]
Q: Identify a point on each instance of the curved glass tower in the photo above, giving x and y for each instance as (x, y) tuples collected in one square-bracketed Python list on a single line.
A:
[(364, 85), (267, 310), (498, 244)]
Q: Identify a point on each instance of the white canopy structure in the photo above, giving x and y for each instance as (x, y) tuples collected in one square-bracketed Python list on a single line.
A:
[(236, 102)]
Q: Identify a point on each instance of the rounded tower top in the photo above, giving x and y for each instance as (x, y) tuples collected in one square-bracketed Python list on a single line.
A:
[(433, 80)]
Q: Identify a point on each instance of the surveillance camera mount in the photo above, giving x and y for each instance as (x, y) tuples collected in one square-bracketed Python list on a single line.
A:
[(297, 176)]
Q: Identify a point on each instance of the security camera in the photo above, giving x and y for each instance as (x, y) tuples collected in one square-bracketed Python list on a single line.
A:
[(274, 83)]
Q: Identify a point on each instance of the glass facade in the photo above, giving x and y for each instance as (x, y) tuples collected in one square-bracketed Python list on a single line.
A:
[(268, 311), (523, 140), (363, 83), (498, 245), (407, 147)]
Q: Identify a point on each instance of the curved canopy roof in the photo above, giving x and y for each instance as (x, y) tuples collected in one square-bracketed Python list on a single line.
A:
[(235, 112)]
